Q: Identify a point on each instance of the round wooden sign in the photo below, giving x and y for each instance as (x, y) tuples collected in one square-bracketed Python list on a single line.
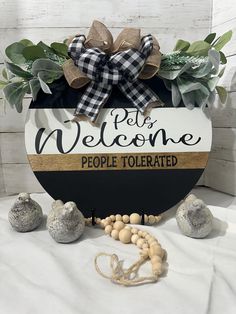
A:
[(128, 163)]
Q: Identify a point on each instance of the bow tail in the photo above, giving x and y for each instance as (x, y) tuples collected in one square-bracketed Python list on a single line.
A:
[(140, 94), (93, 99)]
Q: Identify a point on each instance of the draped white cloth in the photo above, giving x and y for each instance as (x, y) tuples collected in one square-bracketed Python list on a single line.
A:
[(38, 275)]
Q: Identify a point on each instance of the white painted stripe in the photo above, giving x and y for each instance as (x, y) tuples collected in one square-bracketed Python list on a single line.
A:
[(175, 121)]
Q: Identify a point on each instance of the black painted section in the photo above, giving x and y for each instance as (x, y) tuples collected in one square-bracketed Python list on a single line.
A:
[(63, 96), (108, 192)]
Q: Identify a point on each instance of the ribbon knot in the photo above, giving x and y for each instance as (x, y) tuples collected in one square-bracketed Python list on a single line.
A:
[(107, 69)]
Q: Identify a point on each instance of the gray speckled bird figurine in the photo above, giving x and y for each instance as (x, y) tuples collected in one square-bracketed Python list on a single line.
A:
[(65, 222), (26, 214), (194, 218)]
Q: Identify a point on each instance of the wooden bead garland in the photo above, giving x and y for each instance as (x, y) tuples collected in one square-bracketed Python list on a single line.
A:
[(115, 226)]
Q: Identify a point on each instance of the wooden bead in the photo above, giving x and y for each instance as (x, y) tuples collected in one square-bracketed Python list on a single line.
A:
[(128, 227), (102, 223), (155, 250), (98, 221), (125, 219), (151, 240), (134, 230), (118, 217), (158, 218), (144, 234), (118, 225), (148, 236), (125, 236), (135, 218), (134, 238), (115, 234), (140, 242), (156, 259), (145, 246), (113, 217), (108, 229), (157, 269), (145, 219), (88, 221), (108, 219), (144, 253), (151, 219), (105, 223), (154, 243), (140, 233), (161, 253)]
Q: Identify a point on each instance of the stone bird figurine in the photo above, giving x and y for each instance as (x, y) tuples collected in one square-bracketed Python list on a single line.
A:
[(65, 222), (26, 214), (194, 218)]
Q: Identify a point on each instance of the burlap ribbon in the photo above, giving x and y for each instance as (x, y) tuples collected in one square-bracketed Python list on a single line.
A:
[(100, 37)]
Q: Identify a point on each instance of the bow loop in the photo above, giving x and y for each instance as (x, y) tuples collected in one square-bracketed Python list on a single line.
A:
[(76, 47), (146, 45), (104, 70)]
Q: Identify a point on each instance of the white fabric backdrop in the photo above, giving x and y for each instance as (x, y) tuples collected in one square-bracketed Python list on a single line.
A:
[(38, 275)]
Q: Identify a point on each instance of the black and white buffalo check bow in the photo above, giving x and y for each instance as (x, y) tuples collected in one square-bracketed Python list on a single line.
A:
[(104, 70)]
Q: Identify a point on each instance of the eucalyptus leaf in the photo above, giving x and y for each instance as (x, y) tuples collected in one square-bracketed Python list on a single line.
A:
[(48, 76), (210, 38), (167, 84), (221, 73), (186, 86), (214, 57), (47, 66), (34, 87), (222, 57), (175, 94), (201, 97), (3, 83), (222, 94), (223, 40), (4, 74), (189, 100), (173, 74), (199, 48), (45, 47), (185, 68), (33, 53), (26, 42), (203, 70), (14, 94), (60, 48), (212, 83), (181, 45), (169, 75), (44, 86), (211, 98), (15, 53), (15, 69)]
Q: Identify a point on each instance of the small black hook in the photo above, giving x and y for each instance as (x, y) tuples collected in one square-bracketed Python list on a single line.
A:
[(143, 219), (93, 217)]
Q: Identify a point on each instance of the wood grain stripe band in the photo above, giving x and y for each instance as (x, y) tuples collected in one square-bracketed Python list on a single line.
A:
[(118, 161)]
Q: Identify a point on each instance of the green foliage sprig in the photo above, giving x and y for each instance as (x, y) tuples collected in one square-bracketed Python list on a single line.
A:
[(192, 71), (32, 68)]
